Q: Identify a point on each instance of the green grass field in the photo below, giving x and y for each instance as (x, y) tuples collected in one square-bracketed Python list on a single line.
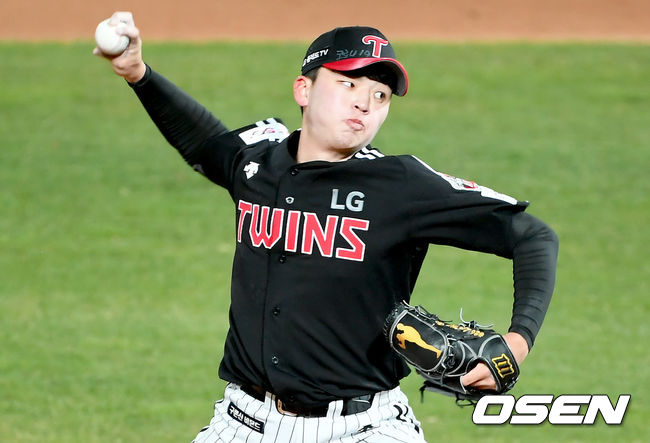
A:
[(115, 257)]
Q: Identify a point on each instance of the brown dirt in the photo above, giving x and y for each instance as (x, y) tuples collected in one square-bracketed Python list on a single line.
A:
[(67, 20)]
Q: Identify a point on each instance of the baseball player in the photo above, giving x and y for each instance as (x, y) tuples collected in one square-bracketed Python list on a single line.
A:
[(330, 234)]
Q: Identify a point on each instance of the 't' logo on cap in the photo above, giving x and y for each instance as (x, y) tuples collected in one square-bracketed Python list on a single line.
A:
[(377, 43)]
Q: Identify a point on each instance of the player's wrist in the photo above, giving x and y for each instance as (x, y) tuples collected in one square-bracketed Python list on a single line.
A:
[(136, 74), (517, 344)]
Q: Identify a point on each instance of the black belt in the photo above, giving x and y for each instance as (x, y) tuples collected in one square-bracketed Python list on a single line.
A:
[(350, 406)]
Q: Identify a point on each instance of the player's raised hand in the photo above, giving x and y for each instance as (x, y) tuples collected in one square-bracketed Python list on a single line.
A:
[(129, 63)]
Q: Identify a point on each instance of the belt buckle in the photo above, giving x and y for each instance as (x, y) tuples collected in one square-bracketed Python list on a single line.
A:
[(357, 405), (282, 410), (299, 410)]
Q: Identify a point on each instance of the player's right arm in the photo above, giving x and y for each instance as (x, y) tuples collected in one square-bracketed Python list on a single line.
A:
[(184, 122)]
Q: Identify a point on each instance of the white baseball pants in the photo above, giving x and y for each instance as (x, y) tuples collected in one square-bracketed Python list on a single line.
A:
[(240, 418)]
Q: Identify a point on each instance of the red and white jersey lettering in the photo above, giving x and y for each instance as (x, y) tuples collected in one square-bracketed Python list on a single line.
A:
[(348, 228), (265, 232)]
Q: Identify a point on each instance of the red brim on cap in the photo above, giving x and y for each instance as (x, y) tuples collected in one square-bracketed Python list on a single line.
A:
[(350, 64)]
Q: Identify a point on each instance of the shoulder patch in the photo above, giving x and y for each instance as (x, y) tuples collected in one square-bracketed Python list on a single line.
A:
[(269, 129), (466, 185)]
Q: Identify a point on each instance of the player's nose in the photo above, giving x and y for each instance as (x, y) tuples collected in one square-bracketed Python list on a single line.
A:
[(362, 102)]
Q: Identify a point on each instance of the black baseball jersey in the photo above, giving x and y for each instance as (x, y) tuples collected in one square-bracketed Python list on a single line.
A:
[(324, 250)]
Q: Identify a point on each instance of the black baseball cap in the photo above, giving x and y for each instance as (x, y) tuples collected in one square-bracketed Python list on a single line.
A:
[(354, 47)]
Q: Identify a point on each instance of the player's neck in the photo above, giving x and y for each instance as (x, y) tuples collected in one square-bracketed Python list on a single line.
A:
[(311, 149)]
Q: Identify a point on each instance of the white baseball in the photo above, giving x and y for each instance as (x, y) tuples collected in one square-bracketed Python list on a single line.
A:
[(108, 40)]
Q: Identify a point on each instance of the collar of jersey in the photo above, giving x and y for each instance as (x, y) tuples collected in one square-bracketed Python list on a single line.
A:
[(283, 156)]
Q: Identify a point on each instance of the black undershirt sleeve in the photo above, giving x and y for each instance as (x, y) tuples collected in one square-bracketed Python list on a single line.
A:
[(534, 263), (184, 122)]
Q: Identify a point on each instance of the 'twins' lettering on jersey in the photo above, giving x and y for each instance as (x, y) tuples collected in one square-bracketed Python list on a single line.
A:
[(301, 230)]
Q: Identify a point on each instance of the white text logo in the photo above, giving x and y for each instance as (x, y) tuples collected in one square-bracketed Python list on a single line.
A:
[(353, 202), (563, 410)]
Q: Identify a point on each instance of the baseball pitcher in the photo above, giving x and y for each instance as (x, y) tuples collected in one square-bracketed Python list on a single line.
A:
[(330, 235)]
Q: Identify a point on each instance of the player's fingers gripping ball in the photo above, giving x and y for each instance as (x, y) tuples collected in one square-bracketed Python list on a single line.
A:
[(109, 41), (443, 352)]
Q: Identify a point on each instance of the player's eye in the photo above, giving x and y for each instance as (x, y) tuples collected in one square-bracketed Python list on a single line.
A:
[(347, 84), (382, 96)]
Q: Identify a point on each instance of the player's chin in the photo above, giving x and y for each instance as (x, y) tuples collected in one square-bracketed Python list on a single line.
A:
[(357, 139), (355, 147)]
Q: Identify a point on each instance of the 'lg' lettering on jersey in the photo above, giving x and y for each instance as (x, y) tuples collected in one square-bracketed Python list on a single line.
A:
[(266, 226)]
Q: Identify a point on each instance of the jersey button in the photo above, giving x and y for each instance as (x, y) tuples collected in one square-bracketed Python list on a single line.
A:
[(275, 360), (276, 311), (283, 258), (294, 171)]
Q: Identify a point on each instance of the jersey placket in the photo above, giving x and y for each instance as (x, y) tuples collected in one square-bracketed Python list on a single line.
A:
[(276, 302)]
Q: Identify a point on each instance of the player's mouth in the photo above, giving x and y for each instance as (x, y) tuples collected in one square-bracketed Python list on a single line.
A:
[(355, 124)]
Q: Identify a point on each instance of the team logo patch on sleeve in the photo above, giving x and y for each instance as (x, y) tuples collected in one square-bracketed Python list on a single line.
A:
[(466, 185), (269, 129)]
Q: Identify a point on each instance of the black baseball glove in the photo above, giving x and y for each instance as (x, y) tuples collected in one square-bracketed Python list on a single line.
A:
[(443, 352)]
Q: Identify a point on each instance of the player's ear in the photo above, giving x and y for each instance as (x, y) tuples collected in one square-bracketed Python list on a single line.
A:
[(301, 87)]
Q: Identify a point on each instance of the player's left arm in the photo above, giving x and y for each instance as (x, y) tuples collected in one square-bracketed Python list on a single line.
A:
[(534, 261), (451, 211), (534, 256)]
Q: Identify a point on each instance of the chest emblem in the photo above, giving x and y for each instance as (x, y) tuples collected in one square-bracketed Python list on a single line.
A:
[(251, 169), (329, 235)]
